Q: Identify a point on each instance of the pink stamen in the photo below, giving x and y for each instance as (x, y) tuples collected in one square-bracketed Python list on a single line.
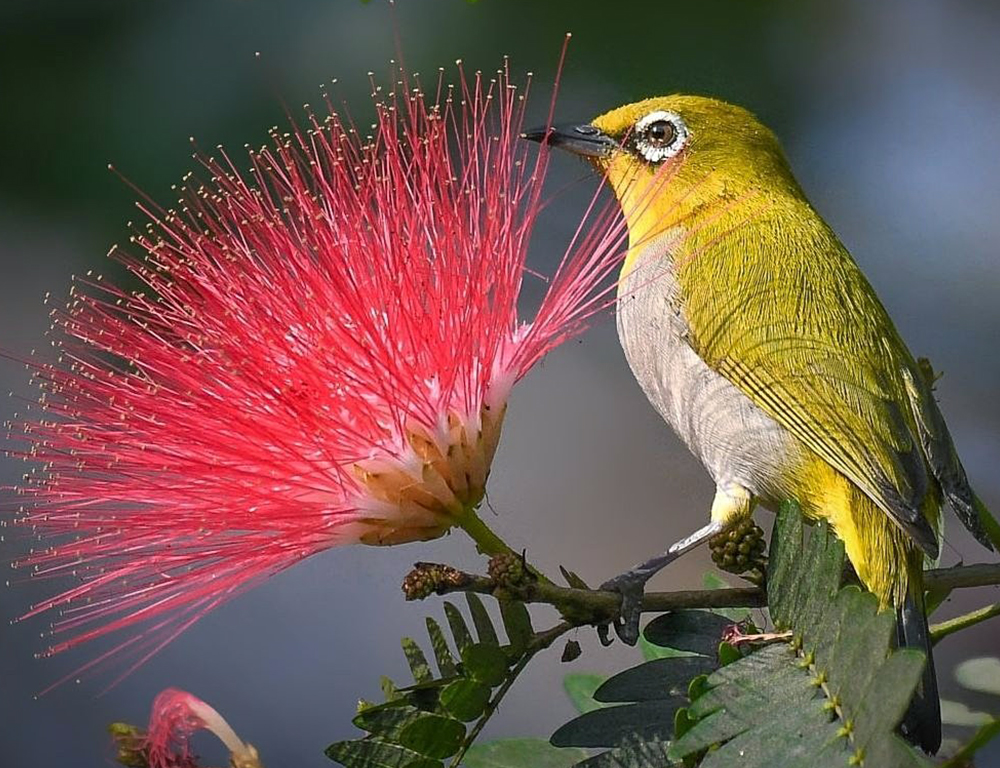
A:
[(175, 718), (296, 325)]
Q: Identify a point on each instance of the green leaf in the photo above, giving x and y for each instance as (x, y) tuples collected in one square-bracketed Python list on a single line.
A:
[(801, 591), (831, 698), (517, 625), (521, 753), (696, 631), (422, 724), (697, 687), (774, 706), (465, 700), (654, 691), (580, 687), (485, 663), (419, 667), (727, 653), (683, 722), (433, 736), (785, 551), (459, 629), (712, 580), (744, 691), (651, 652), (423, 695), (883, 701), (981, 674), (804, 738), (610, 726), (633, 753), (387, 720), (389, 689), (366, 753), (481, 619), (935, 598), (658, 679), (442, 654), (982, 737), (957, 713)]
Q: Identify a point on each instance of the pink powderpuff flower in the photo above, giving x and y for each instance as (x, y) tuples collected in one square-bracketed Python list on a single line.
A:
[(176, 717), (321, 353)]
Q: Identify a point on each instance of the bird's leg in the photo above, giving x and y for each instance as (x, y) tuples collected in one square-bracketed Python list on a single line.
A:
[(632, 583), (731, 504)]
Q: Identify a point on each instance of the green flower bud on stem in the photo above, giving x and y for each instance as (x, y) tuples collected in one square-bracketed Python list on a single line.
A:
[(740, 550), (428, 578)]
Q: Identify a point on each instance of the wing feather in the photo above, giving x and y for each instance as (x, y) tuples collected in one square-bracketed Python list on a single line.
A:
[(941, 454), (806, 339)]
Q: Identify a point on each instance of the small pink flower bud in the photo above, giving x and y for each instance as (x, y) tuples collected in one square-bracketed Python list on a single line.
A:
[(176, 716)]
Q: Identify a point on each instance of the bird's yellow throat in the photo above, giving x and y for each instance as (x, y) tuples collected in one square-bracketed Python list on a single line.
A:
[(709, 188)]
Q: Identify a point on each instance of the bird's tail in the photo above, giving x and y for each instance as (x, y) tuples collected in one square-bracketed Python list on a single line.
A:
[(989, 524), (922, 722)]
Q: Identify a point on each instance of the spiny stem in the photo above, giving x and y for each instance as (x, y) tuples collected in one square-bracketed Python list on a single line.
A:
[(943, 629)]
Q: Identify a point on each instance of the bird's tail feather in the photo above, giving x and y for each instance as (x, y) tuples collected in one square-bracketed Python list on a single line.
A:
[(988, 522), (922, 722)]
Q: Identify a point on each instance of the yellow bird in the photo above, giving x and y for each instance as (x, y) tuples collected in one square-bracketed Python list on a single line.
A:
[(757, 338)]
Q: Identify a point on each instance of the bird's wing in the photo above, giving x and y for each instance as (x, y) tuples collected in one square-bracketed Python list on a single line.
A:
[(806, 339), (941, 454)]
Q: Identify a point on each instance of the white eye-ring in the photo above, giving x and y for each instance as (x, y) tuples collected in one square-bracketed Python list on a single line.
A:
[(659, 135)]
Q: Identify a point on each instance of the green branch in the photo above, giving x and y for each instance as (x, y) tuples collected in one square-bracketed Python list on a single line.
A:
[(960, 576), (945, 628), (593, 606)]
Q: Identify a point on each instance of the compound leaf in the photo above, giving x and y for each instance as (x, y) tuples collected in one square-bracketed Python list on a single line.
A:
[(830, 696)]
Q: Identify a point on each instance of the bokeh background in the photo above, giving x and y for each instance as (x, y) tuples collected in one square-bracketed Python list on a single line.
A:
[(889, 112)]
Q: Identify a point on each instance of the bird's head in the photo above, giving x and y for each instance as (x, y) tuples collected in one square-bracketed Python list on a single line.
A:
[(672, 158)]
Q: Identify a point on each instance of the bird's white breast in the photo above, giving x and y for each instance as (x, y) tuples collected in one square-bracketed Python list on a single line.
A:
[(737, 442)]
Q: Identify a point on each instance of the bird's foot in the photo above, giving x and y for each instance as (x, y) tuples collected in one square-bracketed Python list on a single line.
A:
[(631, 586)]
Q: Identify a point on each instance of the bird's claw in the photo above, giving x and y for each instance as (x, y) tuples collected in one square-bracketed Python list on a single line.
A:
[(602, 635), (631, 586)]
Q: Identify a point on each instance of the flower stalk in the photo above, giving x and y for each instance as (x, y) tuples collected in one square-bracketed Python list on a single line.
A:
[(488, 543)]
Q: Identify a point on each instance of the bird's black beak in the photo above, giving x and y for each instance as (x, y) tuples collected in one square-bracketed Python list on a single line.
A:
[(584, 140)]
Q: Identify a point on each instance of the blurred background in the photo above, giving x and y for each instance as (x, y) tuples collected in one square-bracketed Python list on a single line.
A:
[(889, 113)]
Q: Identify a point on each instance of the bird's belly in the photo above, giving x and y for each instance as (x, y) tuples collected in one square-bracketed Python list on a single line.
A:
[(734, 439)]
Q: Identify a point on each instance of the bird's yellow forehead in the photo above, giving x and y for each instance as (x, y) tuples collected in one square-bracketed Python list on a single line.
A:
[(715, 135), (619, 121), (708, 119), (721, 152)]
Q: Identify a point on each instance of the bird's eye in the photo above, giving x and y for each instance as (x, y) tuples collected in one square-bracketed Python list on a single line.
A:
[(660, 135)]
